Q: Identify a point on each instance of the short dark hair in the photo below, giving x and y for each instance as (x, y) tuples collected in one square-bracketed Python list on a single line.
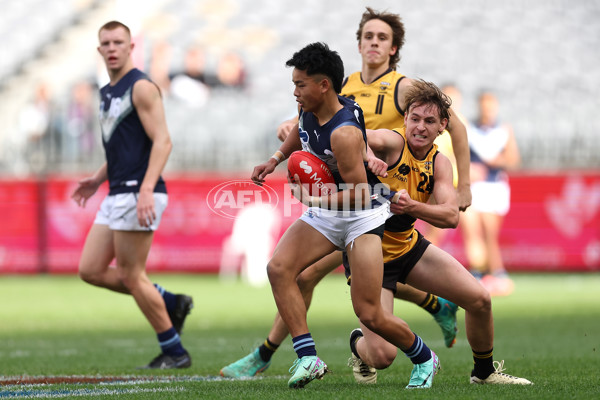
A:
[(394, 21), (318, 59), (422, 92), (110, 25)]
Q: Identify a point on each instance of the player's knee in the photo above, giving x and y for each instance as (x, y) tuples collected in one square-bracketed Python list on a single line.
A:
[(382, 357), (306, 283), (485, 301), (87, 277), (275, 270), (482, 303), (90, 276), (130, 281), (369, 316)]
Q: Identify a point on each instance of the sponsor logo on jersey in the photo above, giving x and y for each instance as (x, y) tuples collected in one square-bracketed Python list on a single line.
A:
[(384, 86), (404, 169)]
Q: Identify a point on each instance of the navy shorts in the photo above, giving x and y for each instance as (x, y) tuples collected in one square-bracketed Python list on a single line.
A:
[(397, 269)]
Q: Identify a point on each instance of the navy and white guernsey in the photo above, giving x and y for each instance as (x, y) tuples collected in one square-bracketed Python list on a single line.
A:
[(486, 143), (125, 141), (316, 139)]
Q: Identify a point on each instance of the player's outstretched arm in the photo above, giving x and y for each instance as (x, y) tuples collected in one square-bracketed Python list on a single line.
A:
[(291, 144), (386, 144), (375, 164)]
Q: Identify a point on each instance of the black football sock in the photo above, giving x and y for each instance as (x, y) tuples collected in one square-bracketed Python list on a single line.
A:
[(267, 349), (431, 303), (483, 363)]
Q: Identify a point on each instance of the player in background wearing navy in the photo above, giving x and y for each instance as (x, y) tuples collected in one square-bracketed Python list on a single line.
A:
[(380, 91), (332, 128), (137, 145), (418, 171)]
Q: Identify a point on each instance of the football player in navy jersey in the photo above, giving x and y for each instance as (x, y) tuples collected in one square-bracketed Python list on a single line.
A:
[(380, 91), (351, 219), (137, 145)]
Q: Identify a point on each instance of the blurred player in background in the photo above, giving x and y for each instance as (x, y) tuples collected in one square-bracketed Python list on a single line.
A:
[(493, 151), (137, 145), (379, 90), (408, 256)]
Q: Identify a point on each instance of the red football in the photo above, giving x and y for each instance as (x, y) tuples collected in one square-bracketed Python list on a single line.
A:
[(314, 174)]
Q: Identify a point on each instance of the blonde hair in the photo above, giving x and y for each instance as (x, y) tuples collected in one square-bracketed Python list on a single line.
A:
[(111, 25)]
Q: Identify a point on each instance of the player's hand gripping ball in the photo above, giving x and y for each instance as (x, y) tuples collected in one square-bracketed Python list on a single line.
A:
[(314, 174)]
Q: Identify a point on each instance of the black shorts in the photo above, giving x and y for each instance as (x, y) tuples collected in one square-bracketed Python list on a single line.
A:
[(398, 269)]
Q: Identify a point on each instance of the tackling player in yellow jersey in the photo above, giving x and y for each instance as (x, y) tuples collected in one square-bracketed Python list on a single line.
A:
[(418, 171)]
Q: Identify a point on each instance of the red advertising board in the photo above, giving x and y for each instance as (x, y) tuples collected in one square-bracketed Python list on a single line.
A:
[(20, 226), (553, 223)]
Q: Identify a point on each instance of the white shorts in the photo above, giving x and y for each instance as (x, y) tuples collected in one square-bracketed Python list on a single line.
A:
[(119, 212), (342, 227), (491, 197)]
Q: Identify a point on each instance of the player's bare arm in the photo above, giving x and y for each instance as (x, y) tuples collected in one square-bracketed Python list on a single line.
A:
[(292, 143), (460, 147), (148, 103), (386, 144), (375, 164), (350, 152), (444, 212), (286, 127), (403, 86)]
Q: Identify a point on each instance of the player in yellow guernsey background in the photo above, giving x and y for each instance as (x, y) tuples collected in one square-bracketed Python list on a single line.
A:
[(380, 91), (379, 98), (417, 172)]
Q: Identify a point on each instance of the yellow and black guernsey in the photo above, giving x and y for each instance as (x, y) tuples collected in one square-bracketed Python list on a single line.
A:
[(378, 100), (416, 177)]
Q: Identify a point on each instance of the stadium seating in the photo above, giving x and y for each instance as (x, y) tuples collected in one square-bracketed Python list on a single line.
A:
[(544, 67)]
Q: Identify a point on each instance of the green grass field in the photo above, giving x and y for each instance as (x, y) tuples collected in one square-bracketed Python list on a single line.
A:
[(547, 331)]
